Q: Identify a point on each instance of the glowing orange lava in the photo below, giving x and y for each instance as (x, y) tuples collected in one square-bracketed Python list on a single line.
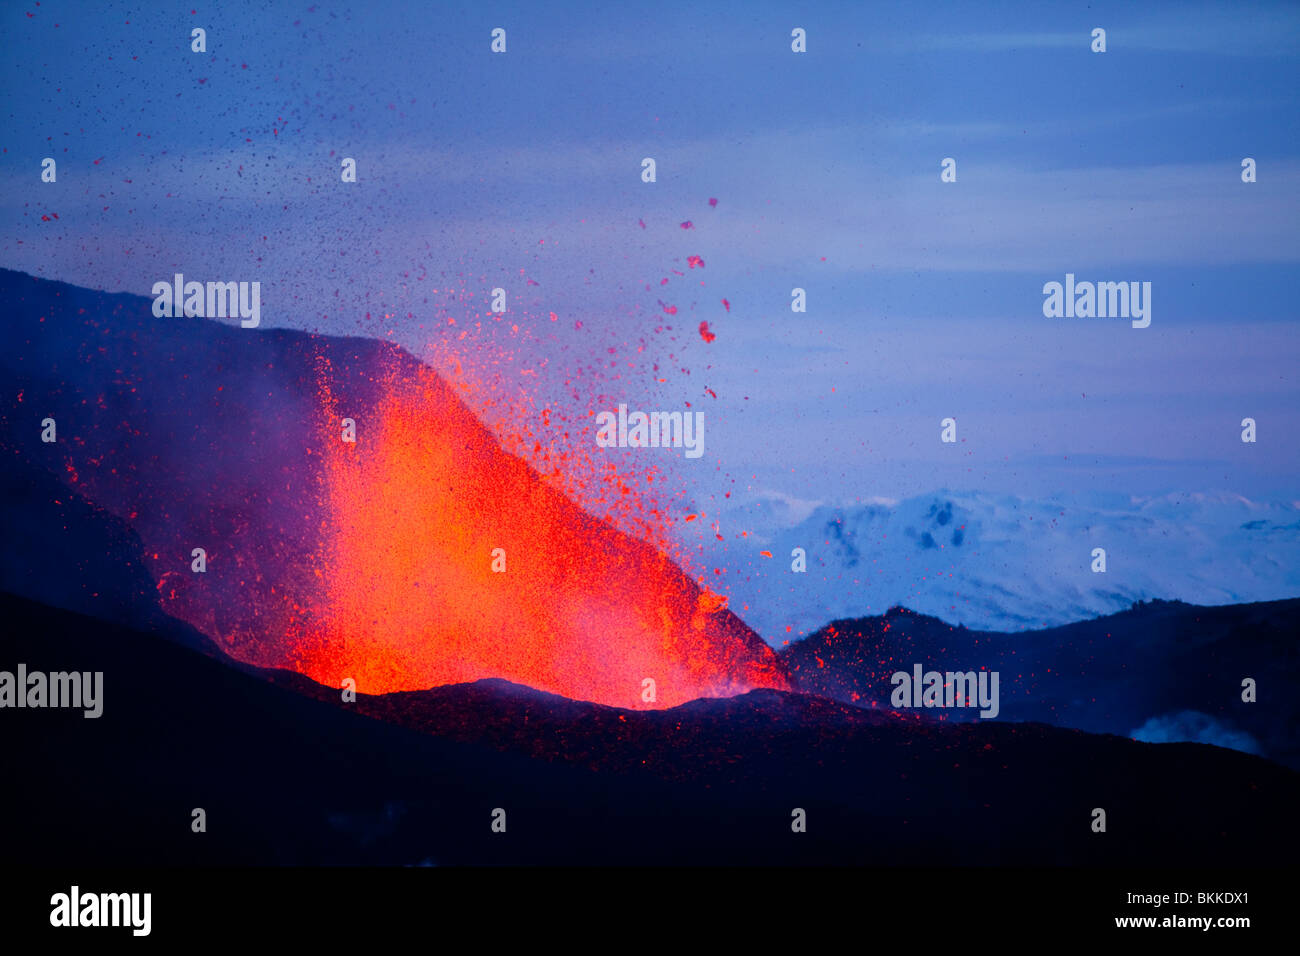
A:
[(417, 513)]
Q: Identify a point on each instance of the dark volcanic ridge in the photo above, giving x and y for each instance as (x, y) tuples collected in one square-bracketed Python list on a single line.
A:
[(1149, 668), (288, 779)]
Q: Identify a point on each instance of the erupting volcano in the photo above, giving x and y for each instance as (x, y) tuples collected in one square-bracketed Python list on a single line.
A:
[(372, 560)]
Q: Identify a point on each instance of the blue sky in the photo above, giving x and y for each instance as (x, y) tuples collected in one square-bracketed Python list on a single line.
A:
[(924, 298)]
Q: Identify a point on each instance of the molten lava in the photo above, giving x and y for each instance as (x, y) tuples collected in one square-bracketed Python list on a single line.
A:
[(416, 516)]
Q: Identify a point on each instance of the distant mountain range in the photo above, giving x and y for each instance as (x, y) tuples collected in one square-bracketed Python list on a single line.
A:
[(1002, 562)]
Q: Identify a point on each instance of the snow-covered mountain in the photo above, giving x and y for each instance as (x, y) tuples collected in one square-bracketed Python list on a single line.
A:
[(1003, 562)]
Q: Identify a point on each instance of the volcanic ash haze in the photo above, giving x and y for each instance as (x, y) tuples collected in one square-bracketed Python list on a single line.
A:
[(370, 560)]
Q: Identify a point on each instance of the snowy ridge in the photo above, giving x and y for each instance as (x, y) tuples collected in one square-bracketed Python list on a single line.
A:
[(1003, 562)]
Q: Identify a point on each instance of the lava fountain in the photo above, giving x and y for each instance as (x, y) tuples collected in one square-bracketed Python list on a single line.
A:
[(445, 559)]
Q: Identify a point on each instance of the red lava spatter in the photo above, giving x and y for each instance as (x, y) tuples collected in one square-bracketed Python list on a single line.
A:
[(374, 560), (581, 609), (413, 523)]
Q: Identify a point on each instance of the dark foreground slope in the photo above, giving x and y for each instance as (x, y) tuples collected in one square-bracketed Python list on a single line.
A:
[(288, 779), (1170, 669)]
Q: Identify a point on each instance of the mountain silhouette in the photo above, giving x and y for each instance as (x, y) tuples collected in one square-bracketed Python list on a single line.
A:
[(1112, 674)]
